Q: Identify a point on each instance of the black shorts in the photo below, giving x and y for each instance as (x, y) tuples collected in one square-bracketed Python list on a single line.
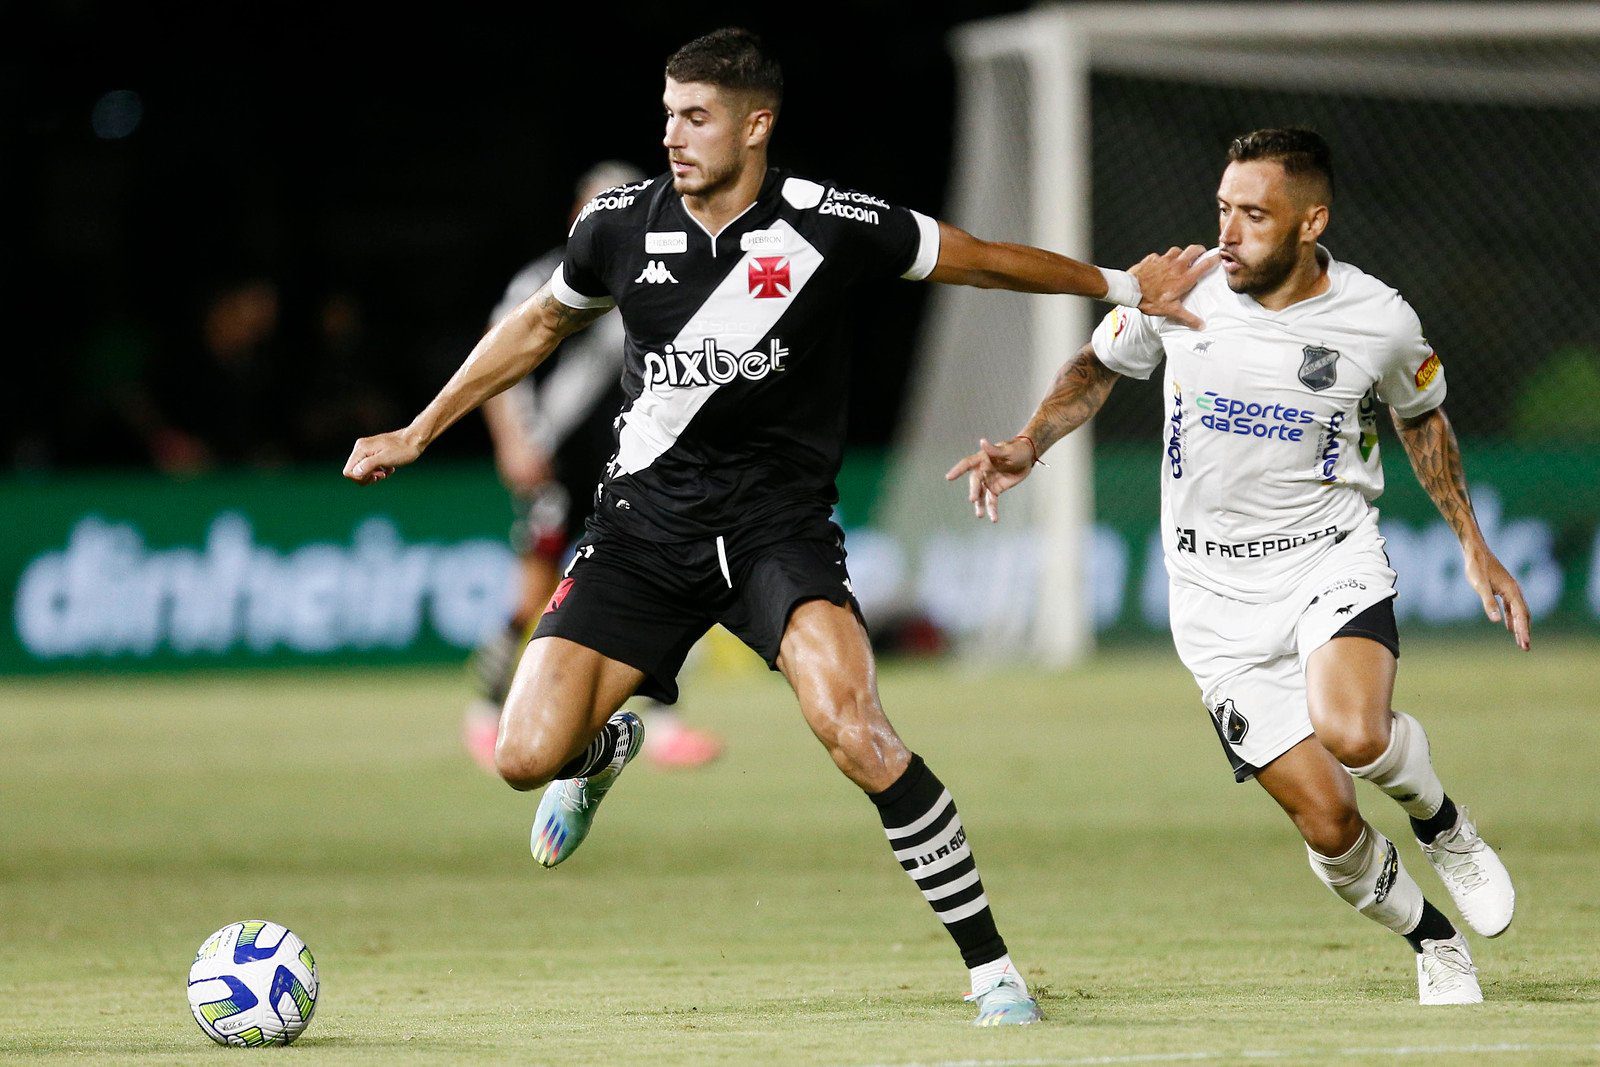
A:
[(646, 603)]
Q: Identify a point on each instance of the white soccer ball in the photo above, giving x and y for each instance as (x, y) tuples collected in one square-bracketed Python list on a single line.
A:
[(253, 983)]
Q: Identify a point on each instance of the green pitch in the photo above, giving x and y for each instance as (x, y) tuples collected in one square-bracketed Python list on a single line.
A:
[(751, 912)]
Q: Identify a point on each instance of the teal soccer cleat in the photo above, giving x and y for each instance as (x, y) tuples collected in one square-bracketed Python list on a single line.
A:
[(1005, 1003), (566, 811)]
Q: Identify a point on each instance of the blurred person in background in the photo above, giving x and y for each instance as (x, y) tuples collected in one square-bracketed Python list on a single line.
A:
[(227, 401), (552, 435)]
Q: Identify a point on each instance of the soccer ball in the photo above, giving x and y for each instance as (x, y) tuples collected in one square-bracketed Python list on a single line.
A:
[(253, 983)]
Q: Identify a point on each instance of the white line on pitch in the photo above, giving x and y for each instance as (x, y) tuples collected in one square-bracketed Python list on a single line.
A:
[(1249, 1054)]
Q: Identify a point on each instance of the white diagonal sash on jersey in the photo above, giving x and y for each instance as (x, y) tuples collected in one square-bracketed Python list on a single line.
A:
[(737, 322)]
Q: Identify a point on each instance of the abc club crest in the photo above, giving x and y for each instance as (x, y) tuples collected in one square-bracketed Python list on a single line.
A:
[(1230, 724), (1319, 368)]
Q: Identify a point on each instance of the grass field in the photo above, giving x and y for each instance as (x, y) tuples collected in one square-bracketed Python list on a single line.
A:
[(751, 912)]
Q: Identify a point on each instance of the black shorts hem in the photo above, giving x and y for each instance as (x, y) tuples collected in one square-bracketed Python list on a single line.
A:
[(651, 688), (1376, 623), (836, 597)]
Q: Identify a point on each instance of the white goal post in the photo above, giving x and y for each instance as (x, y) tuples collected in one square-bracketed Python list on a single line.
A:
[(1023, 171)]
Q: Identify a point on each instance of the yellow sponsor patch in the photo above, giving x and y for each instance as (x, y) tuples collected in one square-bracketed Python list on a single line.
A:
[(1428, 371), (1119, 320)]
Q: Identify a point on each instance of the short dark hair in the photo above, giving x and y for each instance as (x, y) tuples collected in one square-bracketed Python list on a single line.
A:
[(730, 58), (1301, 152)]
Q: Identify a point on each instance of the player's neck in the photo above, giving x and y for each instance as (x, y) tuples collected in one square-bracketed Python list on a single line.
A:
[(1308, 279), (721, 206)]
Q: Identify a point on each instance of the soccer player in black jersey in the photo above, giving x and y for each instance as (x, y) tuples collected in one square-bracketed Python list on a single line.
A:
[(731, 278)]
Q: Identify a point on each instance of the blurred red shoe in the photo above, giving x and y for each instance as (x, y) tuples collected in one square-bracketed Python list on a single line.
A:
[(480, 727), (673, 746)]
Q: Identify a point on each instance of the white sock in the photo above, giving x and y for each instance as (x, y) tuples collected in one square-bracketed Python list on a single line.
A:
[(1405, 770), (1371, 878), (986, 975)]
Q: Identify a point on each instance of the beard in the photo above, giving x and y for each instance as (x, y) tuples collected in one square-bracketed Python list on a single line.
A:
[(707, 178), (1269, 273)]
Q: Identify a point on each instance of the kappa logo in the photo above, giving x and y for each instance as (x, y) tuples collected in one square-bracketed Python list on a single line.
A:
[(655, 273), (769, 278)]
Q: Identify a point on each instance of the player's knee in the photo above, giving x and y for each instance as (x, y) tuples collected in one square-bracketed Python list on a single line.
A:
[(858, 737), (1354, 740), (524, 766), (1331, 830)]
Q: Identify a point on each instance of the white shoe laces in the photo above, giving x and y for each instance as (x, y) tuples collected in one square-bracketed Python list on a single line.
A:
[(1457, 858), (1446, 967), (573, 796)]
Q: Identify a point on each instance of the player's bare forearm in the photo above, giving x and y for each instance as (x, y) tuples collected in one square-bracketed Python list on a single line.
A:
[(1078, 391), (1162, 281), (1435, 455), (966, 260), (506, 354)]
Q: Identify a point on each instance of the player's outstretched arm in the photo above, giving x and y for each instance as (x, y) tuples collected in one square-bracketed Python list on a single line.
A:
[(1156, 285), (517, 344), (1078, 391), (1431, 443)]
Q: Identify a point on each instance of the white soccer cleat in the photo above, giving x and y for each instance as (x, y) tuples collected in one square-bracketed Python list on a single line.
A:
[(1477, 880), (1445, 974)]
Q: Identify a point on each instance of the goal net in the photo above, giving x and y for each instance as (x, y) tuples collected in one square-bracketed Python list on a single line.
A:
[(1466, 142)]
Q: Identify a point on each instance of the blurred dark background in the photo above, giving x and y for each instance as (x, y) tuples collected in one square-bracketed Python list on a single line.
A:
[(251, 235)]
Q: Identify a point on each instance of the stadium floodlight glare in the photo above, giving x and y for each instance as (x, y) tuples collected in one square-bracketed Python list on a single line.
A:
[(1024, 127)]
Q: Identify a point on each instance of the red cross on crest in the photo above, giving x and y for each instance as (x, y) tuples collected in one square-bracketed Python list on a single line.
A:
[(769, 277)]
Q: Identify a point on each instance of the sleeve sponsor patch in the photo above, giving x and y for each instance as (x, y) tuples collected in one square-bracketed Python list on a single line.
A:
[(1119, 322), (1428, 371)]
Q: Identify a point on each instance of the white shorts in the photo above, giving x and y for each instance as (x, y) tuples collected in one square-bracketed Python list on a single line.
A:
[(1249, 660)]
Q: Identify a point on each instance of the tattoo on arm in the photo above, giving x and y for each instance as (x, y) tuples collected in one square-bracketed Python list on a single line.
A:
[(1079, 389), (1435, 455), (561, 320)]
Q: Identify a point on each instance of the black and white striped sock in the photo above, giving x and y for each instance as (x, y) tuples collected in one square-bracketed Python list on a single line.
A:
[(927, 837), (597, 756)]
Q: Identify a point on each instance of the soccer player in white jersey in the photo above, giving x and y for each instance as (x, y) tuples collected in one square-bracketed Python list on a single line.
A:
[(1281, 594)]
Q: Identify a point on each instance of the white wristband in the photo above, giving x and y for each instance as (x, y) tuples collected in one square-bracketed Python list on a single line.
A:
[(1121, 288)]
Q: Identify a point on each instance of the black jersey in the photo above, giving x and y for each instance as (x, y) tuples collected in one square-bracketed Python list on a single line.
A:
[(734, 371)]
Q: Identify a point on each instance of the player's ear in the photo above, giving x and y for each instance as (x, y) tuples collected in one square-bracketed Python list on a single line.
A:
[(758, 127), (1314, 222)]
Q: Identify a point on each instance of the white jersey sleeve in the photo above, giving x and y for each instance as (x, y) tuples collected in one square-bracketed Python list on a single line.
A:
[(1129, 342), (1411, 378)]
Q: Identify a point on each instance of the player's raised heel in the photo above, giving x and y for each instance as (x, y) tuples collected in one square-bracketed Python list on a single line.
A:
[(1445, 974), (1005, 1003), (1478, 882), (566, 811)]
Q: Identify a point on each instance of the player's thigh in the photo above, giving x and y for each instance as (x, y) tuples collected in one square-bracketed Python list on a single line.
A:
[(826, 658), (1349, 645), (562, 694), (1317, 793), (1243, 661)]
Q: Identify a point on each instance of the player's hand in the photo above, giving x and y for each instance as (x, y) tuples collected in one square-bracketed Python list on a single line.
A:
[(1500, 593), (524, 468), (375, 458), (991, 471), (1165, 280)]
